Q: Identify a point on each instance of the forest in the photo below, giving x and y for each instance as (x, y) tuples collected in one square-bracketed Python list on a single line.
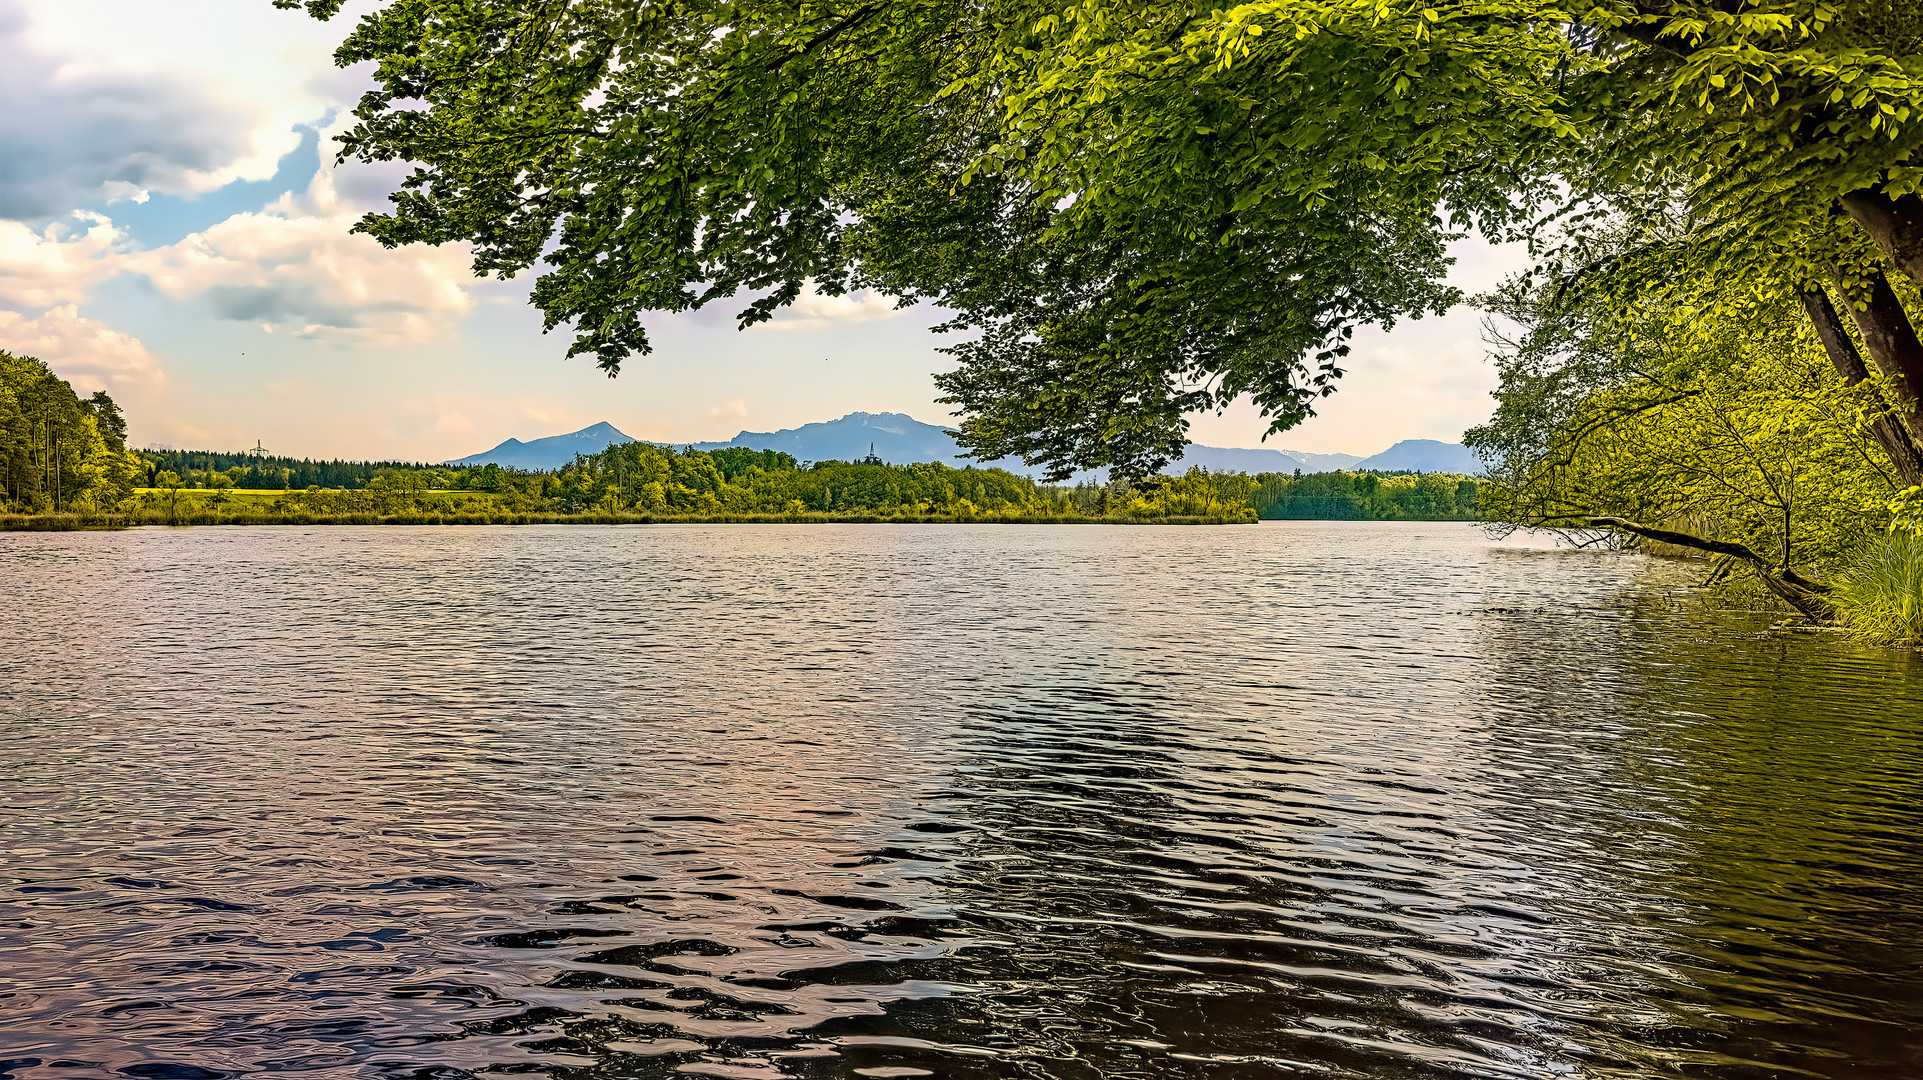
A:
[(648, 479), (271, 472), (642, 482), (60, 453), (1366, 496)]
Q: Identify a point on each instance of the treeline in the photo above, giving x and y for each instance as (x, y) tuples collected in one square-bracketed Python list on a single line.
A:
[(58, 452), (1366, 496), (67, 465), (642, 478), (67, 460), (643, 481), (635, 482), (211, 469)]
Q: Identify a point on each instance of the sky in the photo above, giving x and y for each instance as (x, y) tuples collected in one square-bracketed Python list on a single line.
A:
[(173, 230)]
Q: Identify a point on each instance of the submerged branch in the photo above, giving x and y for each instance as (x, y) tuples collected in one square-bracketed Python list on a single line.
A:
[(1792, 588)]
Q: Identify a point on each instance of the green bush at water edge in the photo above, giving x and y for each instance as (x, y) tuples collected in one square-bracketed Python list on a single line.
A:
[(1880, 595)]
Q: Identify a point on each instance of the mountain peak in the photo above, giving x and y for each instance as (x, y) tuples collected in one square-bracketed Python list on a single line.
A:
[(1425, 455), (551, 452), (897, 437)]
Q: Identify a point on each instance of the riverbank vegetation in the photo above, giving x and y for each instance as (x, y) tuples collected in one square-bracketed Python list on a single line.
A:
[(1366, 496), (1739, 425), (630, 483), (1879, 593)]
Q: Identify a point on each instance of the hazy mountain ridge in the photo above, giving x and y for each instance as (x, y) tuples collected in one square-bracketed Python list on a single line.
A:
[(1424, 455), (551, 452), (1231, 459), (896, 437), (900, 439)]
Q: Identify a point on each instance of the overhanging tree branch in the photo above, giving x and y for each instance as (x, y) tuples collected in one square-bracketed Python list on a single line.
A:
[(1792, 588)]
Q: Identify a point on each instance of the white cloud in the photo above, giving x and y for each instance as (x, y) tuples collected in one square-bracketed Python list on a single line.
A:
[(814, 309), (57, 264), (76, 131), (736, 408), (84, 352), (295, 265)]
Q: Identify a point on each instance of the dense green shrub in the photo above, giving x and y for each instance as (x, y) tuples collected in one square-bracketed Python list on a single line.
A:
[(1879, 596)]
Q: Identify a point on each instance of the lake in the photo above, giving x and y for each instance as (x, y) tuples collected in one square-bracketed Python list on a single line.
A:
[(1320, 799)]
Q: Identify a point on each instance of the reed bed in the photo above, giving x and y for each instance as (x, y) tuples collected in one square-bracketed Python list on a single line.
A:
[(1880, 595)]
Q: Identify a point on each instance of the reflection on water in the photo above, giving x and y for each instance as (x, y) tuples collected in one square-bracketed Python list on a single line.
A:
[(1326, 799)]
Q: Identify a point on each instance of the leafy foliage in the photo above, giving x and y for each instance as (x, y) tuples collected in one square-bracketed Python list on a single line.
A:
[(1363, 496), (1137, 211), (1724, 421), (1758, 120), (57, 451), (1142, 211)]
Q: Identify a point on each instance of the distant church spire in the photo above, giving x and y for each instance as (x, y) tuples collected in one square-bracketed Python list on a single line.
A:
[(871, 459)]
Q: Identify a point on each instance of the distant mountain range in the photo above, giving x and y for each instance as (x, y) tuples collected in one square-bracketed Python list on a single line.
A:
[(1227, 459), (896, 437), (551, 452), (1424, 455), (899, 438)]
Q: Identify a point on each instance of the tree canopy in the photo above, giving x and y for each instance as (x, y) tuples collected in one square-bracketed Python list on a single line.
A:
[(1138, 211), (58, 451), (1141, 210)]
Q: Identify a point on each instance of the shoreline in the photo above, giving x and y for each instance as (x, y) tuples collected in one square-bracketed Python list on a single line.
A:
[(117, 522)]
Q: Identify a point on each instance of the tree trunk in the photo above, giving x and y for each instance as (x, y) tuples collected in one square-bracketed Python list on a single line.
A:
[(1895, 224), (1895, 439), (1890, 340), (1790, 587)]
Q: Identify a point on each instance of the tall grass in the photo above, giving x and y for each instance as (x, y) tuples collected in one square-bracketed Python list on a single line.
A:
[(1880, 597)]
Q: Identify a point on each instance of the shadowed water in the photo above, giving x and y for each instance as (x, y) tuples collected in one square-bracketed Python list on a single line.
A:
[(1305, 799)]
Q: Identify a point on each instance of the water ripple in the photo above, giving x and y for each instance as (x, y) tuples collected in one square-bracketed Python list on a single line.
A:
[(1337, 800)]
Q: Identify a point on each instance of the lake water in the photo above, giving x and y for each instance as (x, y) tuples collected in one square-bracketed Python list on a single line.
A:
[(1303, 799)]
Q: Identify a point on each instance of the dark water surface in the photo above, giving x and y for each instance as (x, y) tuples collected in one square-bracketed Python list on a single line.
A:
[(1314, 799)]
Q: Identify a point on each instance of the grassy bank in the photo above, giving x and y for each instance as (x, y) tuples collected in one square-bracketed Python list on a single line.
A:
[(1880, 595)]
